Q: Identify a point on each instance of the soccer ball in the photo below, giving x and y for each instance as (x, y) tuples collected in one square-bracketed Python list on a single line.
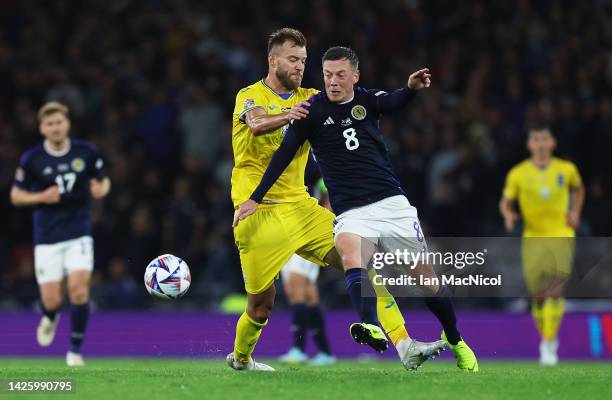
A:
[(167, 277)]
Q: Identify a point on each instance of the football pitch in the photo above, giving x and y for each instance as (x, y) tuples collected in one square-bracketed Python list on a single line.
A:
[(119, 379)]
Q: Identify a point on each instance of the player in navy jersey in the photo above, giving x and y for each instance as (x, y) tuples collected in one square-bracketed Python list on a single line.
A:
[(58, 178), (343, 130)]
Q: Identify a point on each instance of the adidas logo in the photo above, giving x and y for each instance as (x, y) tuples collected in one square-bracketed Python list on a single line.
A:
[(329, 121)]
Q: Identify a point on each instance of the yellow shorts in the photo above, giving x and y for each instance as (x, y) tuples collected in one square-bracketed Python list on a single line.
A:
[(267, 239), (546, 261)]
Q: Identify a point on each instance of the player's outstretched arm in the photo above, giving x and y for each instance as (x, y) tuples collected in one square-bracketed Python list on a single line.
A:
[(280, 160), (260, 122), (99, 188), (23, 198), (388, 103)]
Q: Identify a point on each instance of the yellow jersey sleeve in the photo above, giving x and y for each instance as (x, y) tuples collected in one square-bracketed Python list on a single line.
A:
[(512, 186), (574, 180), (248, 99)]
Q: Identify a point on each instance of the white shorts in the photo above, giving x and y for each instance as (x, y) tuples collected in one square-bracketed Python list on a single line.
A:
[(52, 262), (301, 266), (390, 223)]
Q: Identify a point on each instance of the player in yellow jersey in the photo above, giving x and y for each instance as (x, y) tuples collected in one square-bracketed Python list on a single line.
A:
[(550, 195), (289, 221)]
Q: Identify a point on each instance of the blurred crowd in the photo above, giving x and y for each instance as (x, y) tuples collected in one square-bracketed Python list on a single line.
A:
[(153, 83)]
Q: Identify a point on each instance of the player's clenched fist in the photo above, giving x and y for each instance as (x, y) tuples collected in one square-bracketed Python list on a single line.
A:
[(420, 79), (299, 110), (51, 195), (244, 210)]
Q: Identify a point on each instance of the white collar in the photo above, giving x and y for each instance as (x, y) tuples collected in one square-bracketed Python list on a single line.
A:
[(349, 100), (56, 153)]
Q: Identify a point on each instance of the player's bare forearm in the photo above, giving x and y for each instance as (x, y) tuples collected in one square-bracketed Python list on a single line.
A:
[(265, 123), (578, 196), (506, 209), (100, 188), (25, 198), (573, 215), (260, 122)]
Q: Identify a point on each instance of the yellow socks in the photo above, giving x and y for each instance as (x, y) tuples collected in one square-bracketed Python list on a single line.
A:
[(389, 314), (548, 317), (247, 334), (538, 317), (552, 313)]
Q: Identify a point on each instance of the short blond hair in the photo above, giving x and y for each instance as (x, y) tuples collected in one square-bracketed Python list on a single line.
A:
[(52, 107)]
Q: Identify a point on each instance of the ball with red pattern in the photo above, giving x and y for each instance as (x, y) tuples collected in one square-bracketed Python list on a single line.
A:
[(167, 277)]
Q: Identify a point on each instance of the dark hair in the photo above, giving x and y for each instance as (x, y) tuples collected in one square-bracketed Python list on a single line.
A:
[(280, 36), (340, 53)]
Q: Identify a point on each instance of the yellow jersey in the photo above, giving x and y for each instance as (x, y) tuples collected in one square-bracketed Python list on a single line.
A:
[(252, 153), (543, 195)]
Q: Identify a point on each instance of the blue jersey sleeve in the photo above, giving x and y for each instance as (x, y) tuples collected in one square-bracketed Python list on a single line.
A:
[(96, 165), (295, 136), (388, 103), (23, 175)]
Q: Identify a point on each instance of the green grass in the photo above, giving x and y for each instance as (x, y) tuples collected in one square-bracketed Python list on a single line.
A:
[(119, 379)]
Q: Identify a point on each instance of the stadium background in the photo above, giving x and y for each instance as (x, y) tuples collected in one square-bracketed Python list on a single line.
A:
[(152, 84)]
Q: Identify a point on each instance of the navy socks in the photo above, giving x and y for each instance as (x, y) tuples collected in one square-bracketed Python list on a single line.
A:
[(358, 283), (79, 315), (442, 307)]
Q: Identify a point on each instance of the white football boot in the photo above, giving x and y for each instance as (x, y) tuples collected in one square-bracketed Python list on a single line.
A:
[(548, 352), (413, 353), (249, 366), (45, 333), (74, 359)]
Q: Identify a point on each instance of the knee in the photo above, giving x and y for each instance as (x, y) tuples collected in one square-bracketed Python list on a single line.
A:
[(351, 261), (312, 298), (293, 295), (52, 302), (78, 293)]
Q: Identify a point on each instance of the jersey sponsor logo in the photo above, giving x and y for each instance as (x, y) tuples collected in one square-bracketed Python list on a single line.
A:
[(48, 170), (62, 167), (19, 174), (358, 112), (329, 121), (78, 164), (544, 192), (346, 122)]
